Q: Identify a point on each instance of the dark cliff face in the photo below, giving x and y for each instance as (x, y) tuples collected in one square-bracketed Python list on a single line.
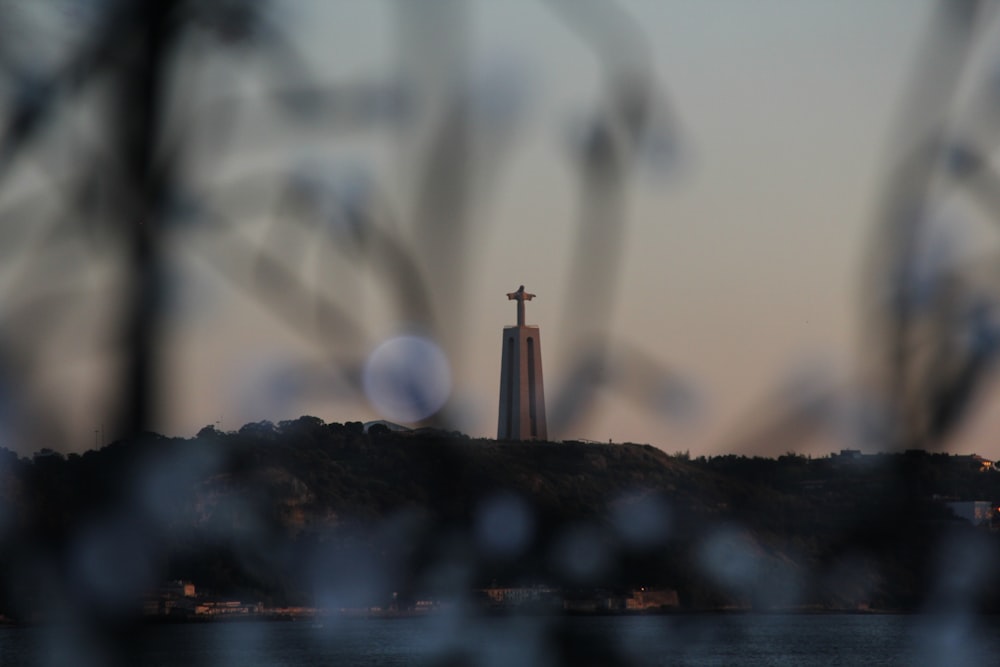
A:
[(316, 513)]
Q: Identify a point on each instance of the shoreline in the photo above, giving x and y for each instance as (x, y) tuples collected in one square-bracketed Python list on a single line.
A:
[(321, 618)]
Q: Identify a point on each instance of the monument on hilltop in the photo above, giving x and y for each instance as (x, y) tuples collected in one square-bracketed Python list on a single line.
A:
[(522, 397)]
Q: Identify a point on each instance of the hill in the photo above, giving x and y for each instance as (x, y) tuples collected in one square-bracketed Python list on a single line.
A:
[(304, 512)]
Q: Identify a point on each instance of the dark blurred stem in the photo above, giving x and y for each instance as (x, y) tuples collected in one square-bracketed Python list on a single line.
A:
[(141, 72)]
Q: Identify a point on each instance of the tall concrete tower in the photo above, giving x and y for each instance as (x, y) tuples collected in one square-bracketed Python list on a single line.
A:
[(522, 397)]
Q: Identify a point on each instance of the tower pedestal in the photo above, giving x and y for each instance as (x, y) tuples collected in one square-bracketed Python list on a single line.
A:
[(522, 394)]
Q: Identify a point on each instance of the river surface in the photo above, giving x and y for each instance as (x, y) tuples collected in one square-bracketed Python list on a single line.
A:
[(452, 639)]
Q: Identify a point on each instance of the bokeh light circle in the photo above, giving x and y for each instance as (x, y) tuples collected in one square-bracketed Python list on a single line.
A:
[(407, 379)]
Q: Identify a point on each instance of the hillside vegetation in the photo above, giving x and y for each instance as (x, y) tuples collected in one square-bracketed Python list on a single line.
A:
[(304, 512)]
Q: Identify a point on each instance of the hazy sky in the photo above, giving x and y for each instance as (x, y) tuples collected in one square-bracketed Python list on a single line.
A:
[(743, 257)]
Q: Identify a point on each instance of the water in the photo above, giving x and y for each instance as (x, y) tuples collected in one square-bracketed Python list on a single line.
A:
[(699, 640)]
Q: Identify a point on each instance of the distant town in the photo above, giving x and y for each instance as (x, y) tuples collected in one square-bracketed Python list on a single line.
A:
[(181, 601)]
